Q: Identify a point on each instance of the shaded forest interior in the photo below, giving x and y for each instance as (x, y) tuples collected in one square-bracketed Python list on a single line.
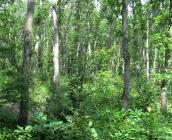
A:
[(85, 70)]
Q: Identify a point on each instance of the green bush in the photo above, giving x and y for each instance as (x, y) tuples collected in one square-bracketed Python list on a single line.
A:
[(98, 114)]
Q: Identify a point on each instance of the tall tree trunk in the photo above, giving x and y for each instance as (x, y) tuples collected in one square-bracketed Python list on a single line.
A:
[(155, 62), (118, 61), (126, 56), (37, 49), (166, 65), (147, 49), (56, 51), (78, 38), (66, 49), (89, 38), (24, 101), (38, 41), (111, 32)]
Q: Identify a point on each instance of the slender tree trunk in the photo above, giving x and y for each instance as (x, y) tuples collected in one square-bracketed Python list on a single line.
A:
[(78, 38), (97, 4), (158, 60), (38, 42), (126, 56), (89, 41), (166, 65), (164, 100), (147, 50), (24, 99), (165, 82), (118, 61), (66, 49), (111, 33), (37, 48), (56, 51), (155, 62), (46, 48), (89, 38)]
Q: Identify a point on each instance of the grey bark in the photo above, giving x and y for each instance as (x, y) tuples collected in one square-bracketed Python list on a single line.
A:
[(147, 50), (37, 49), (126, 56), (24, 99), (166, 65), (56, 51)]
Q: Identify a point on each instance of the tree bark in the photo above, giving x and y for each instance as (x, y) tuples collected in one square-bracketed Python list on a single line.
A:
[(126, 56), (24, 99), (155, 62), (56, 51), (37, 49), (111, 32), (147, 49), (164, 100), (166, 65), (38, 42), (89, 38)]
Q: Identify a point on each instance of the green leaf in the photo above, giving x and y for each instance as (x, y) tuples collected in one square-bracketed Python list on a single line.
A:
[(94, 133), (29, 128)]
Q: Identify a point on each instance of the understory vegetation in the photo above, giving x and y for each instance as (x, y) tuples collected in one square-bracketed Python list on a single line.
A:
[(91, 113), (85, 70)]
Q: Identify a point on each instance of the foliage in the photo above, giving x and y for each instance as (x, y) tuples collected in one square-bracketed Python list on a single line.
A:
[(91, 71)]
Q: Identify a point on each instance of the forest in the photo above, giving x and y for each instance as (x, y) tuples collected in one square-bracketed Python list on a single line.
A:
[(85, 69)]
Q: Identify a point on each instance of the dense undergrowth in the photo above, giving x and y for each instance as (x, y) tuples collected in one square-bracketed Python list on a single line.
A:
[(90, 111)]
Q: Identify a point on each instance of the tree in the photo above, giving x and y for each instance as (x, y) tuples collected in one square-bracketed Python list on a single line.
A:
[(37, 37), (24, 99), (147, 49), (56, 51), (126, 56), (166, 64)]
